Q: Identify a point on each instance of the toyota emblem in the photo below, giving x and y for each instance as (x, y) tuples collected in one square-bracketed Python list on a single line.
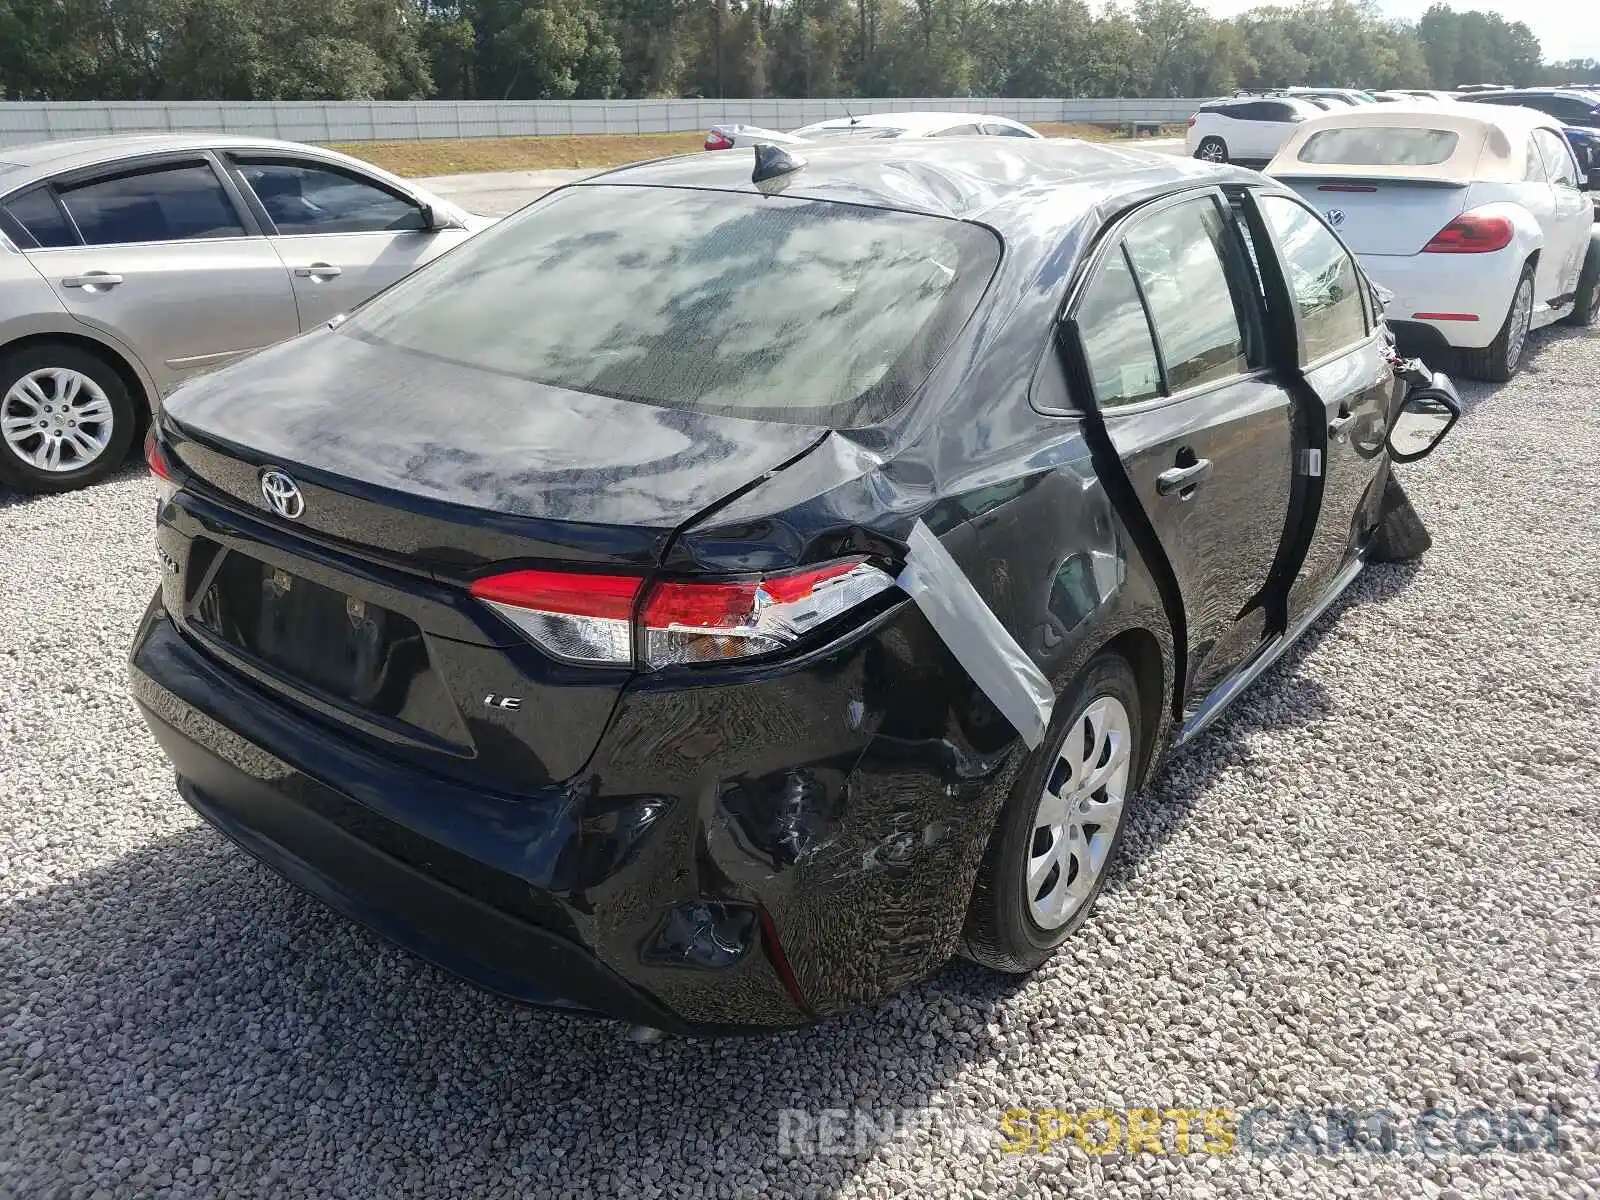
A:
[(282, 494), (1336, 217)]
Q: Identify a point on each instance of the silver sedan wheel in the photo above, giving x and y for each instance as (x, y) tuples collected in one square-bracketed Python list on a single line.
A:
[(56, 419), (1211, 151), (1079, 813)]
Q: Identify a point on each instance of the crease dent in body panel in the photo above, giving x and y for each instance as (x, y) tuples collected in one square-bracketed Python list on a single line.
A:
[(980, 643)]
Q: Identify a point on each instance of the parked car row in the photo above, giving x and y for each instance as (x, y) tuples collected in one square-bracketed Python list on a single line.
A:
[(1251, 126), (1473, 218), (129, 264), (1475, 212), (727, 588), (871, 126)]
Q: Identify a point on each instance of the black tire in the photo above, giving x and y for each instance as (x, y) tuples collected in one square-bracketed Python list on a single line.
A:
[(1000, 931), (1212, 149), (15, 470), (1498, 361), (1586, 309)]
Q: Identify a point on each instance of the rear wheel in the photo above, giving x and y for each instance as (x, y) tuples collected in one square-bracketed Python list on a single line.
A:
[(66, 418), (1586, 311), (1058, 835), (1499, 360), (1212, 149)]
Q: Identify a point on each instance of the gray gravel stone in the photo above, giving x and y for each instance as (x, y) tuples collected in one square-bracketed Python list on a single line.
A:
[(1373, 885)]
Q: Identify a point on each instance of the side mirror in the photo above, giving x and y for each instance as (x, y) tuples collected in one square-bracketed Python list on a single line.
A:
[(1426, 415), (434, 221)]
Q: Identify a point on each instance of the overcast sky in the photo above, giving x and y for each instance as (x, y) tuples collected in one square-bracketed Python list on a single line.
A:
[(1565, 28)]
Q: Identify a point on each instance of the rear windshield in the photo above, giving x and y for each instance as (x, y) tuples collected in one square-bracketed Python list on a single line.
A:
[(768, 307), (854, 131), (1379, 146)]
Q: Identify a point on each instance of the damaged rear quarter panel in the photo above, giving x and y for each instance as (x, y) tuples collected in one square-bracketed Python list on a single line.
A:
[(866, 858)]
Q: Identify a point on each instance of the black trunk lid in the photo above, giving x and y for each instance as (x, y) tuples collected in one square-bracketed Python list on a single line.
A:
[(450, 469), (357, 610)]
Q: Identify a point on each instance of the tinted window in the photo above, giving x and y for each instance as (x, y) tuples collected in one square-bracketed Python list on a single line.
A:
[(169, 204), (1177, 256), (1005, 131), (1278, 112), (1571, 110), (41, 219), (1116, 337), (959, 131), (760, 306), (307, 199), (1324, 280), (1557, 157), (1379, 146)]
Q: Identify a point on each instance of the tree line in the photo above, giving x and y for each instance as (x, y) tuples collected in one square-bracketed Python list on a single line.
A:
[(539, 49)]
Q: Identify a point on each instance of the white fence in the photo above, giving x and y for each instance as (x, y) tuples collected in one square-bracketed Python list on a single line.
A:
[(346, 121)]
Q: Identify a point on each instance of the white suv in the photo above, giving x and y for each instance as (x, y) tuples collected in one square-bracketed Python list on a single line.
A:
[(1246, 128)]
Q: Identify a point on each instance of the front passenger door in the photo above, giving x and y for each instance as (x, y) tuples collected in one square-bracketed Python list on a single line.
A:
[(343, 237), (1171, 334), (1572, 216), (1344, 361)]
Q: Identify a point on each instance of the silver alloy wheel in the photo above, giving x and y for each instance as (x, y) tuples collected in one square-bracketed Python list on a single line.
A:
[(1211, 151), (1079, 813), (56, 419), (1521, 321)]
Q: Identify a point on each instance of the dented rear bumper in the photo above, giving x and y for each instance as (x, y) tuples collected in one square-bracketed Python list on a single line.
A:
[(745, 854)]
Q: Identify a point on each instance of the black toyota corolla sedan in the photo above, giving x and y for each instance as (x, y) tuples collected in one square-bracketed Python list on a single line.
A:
[(731, 586)]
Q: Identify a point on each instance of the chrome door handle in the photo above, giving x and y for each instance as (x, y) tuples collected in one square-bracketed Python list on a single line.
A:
[(94, 279), (1182, 479), (1338, 425), (318, 271)]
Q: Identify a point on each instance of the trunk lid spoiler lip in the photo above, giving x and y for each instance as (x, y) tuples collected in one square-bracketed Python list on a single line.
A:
[(1373, 176)]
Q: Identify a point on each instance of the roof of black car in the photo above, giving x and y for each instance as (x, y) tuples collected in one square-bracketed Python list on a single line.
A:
[(996, 180)]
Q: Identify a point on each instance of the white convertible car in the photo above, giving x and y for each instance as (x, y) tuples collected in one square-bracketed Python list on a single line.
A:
[(873, 125), (1476, 221)]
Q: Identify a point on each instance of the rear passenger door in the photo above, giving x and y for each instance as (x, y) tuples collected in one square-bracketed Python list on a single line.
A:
[(1344, 361), (344, 236), (1172, 338), (158, 253)]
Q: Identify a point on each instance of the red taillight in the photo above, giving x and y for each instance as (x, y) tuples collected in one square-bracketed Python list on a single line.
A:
[(155, 457), (590, 618), (1472, 233), (578, 618), (709, 622), (608, 597), (1193, 119), (717, 140)]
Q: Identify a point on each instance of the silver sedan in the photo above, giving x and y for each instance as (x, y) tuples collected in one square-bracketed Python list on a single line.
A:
[(128, 264)]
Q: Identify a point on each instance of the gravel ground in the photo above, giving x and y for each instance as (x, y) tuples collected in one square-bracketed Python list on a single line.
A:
[(1373, 885)]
